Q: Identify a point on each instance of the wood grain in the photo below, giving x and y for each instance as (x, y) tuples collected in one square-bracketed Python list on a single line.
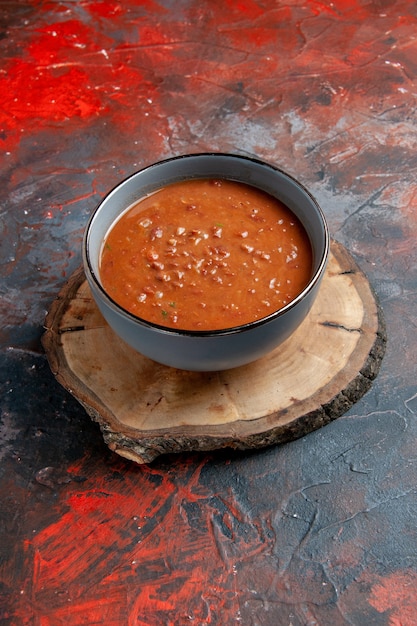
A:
[(146, 409)]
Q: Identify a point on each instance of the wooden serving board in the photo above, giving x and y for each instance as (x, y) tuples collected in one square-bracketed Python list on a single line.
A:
[(145, 409)]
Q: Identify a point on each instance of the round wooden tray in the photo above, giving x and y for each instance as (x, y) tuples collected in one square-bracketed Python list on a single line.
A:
[(145, 409)]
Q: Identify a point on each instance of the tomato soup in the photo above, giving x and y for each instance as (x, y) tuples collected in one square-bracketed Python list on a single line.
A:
[(205, 255)]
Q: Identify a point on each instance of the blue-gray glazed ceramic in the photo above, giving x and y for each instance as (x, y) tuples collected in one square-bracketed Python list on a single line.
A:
[(219, 349)]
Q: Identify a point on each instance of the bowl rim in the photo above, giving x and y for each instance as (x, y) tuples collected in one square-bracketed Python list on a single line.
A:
[(179, 332)]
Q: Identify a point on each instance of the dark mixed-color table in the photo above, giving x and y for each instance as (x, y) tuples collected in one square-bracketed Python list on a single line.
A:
[(322, 530)]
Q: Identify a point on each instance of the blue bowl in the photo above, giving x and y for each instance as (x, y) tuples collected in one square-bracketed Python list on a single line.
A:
[(218, 349)]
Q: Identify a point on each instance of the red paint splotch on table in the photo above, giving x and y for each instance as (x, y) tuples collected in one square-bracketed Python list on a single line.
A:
[(46, 86), (396, 594), (65, 77), (105, 559), (143, 547)]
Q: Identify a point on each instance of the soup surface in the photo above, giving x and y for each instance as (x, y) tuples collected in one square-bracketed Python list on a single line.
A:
[(205, 255)]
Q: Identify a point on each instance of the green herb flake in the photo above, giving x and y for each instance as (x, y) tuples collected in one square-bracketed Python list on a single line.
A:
[(173, 304)]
